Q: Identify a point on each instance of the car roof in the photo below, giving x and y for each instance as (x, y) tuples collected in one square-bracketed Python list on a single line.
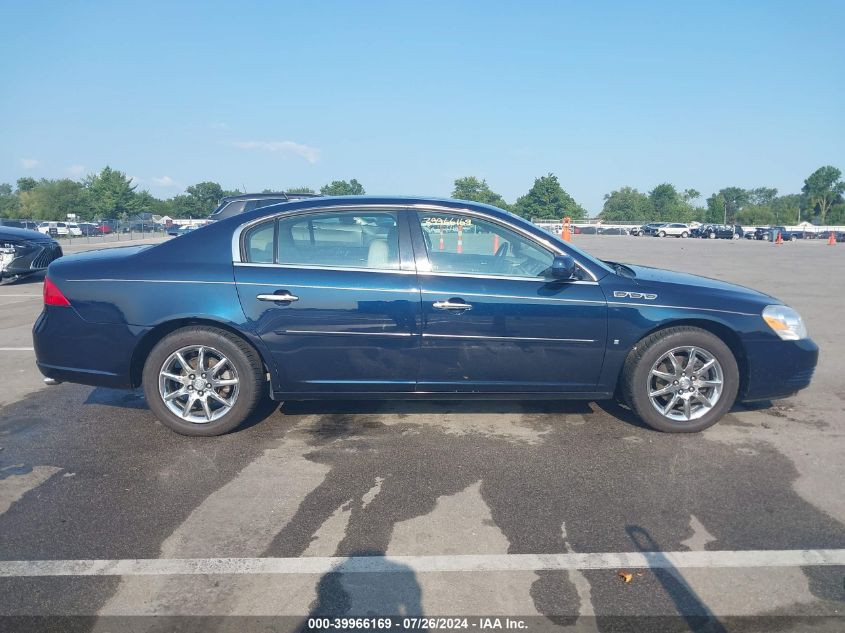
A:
[(268, 194), (13, 232)]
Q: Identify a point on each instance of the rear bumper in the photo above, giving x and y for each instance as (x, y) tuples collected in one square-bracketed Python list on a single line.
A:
[(69, 349), (777, 369)]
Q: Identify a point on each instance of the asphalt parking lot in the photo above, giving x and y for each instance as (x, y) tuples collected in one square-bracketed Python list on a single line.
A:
[(529, 510)]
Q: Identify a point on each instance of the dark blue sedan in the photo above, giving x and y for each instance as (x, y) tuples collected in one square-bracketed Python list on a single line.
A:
[(367, 297)]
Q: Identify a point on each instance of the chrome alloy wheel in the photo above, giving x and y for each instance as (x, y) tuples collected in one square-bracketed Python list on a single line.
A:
[(198, 384), (685, 383)]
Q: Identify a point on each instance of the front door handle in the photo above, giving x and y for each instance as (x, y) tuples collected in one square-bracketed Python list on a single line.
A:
[(452, 304), (284, 296)]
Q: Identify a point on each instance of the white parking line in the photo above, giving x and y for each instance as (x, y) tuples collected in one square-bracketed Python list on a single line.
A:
[(17, 349), (38, 296), (424, 564)]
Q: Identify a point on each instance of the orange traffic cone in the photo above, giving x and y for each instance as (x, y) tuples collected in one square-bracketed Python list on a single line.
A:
[(495, 243), (460, 238), (779, 239), (831, 238)]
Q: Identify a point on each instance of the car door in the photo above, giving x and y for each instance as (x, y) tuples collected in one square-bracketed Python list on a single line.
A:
[(333, 294), (493, 321)]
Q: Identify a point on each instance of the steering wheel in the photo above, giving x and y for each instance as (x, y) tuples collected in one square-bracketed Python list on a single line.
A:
[(503, 249)]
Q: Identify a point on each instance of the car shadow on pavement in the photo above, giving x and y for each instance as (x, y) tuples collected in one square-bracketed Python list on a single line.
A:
[(134, 399)]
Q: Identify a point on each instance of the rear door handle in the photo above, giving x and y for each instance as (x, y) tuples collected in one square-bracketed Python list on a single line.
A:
[(452, 304), (284, 295)]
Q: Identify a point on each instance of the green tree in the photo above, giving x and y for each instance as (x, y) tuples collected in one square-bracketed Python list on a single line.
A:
[(112, 193), (207, 196), (755, 214), (762, 195), (690, 195), (343, 188), (823, 188), (627, 205), (669, 205), (547, 200), (471, 188), (26, 184), (787, 209), (724, 205), (9, 203), (55, 199), (300, 190)]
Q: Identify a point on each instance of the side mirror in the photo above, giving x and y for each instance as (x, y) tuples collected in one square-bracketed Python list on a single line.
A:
[(563, 267)]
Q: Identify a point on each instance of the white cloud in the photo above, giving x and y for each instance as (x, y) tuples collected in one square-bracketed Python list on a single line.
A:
[(164, 181), (30, 163), (311, 154), (76, 171)]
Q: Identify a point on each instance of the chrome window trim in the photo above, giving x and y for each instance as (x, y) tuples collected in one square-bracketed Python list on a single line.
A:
[(353, 269), (159, 281), (236, 235), (542, 280)]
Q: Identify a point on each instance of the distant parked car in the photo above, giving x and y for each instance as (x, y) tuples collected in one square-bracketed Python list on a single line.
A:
[(20, 224), (25, 252), (585, 230), (142, 227), (839, 236), (720, 231), (54, 228), (180, 229), (233, 205), (89, 228), (612, 230), (768, 233), (673, 229), (651, 228)]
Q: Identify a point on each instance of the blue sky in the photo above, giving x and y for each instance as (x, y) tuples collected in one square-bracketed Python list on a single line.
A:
[(406, 97)]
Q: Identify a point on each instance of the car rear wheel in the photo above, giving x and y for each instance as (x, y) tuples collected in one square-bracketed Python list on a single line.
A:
[(684, 234), (203, 381), (661, 234), (680, 380)]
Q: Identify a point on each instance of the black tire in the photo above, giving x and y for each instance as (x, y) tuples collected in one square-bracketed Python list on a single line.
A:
[(684, 235), (637, 369), (244, 358), (661, 234)]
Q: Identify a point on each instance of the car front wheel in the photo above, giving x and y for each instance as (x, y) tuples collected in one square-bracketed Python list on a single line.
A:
[(203, 381), (680, 380), (684, 234), (661, 234)]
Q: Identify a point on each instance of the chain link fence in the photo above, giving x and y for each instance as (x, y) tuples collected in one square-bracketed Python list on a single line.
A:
[(92, 232)]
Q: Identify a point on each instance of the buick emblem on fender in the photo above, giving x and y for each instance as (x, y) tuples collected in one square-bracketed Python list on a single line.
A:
[(633, 295)]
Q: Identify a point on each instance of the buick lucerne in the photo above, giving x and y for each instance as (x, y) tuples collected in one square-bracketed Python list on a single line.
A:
[(382, 298)]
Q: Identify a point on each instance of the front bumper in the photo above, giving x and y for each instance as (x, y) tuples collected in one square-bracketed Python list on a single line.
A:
[(28, 258), (777, 369)]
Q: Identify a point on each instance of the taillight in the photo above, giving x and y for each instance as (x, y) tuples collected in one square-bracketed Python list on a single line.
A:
[(52, 295)]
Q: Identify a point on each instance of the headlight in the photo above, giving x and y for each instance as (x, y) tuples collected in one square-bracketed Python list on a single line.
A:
[(786, 322)]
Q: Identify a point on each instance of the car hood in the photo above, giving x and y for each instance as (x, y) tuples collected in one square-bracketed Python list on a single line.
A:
[(702, 291)]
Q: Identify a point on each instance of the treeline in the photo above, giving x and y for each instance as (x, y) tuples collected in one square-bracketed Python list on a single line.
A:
[(111, 194), (820, 202)]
